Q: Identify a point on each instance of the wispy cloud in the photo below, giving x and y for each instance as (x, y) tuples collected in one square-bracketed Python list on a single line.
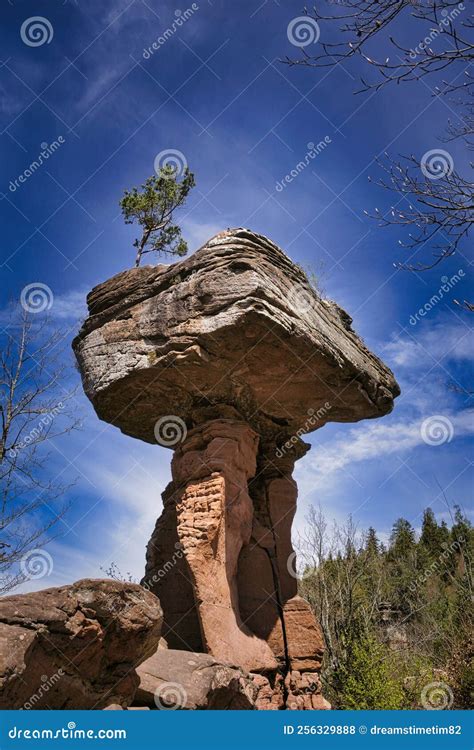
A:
[(376, 440), (441, 341)]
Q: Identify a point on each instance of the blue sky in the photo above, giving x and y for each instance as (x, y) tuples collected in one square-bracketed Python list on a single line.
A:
[(216, 92)]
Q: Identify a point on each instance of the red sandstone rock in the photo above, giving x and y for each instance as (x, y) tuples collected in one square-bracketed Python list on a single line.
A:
[(237, 324), (233, 356), (185, 680), (214, 520), (76, 646)]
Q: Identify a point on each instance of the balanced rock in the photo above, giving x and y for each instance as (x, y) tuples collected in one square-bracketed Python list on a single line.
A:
[(229, 357), (235, 324), (76, 646), (186, 680)]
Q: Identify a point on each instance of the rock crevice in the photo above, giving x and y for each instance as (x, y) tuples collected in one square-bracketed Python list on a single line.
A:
[(233, 352)]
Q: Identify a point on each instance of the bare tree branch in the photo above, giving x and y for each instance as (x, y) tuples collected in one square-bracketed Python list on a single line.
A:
[(34, 410)]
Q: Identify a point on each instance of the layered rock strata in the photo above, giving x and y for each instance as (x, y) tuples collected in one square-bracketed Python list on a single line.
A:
[(229, 357)]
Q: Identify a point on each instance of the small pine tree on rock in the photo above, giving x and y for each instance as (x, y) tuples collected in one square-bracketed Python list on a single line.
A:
[(152, 206)]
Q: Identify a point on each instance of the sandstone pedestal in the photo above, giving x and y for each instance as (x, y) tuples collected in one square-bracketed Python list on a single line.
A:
[(232, 507), (228, 358)]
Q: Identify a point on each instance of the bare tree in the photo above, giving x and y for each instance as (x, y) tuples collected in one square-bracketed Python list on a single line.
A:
[(360, 21), (335, 566), (435, 200), (34, 409), (437, 204)]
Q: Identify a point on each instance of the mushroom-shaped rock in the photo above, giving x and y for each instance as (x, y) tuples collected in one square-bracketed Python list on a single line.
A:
[(229, 357), (237, 324), (76, 646)]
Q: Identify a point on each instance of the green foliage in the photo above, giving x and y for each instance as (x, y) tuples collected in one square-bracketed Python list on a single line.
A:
[(364, 674), (372, 545), (394, 619), (152, 207)]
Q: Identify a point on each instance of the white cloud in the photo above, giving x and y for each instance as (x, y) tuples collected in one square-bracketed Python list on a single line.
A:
[(69, 306), (197, 233), (123, 487), (374, 441), (439, 342)]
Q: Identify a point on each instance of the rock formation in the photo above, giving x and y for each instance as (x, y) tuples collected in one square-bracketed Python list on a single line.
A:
[(229, 357), (76, 646), (186, 680)]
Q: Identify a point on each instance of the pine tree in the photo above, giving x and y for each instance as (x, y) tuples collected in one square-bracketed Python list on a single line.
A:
[(152, 207), (372, 546), (402, 566), (430, 537), (402, 539)]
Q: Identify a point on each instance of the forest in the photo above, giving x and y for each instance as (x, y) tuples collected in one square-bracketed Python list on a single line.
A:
[(396, 617)]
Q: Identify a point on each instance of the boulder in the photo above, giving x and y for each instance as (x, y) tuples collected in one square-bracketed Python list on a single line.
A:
[(76, 646), (172, 679)]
